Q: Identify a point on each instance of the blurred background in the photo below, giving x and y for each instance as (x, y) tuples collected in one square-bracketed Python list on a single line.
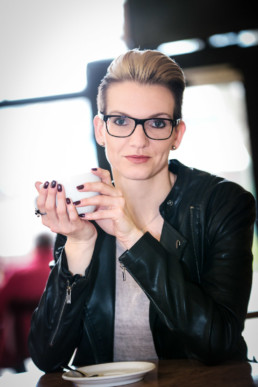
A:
[(53, 56)]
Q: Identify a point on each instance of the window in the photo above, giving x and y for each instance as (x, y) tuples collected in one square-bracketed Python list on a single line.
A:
[(39, 142)]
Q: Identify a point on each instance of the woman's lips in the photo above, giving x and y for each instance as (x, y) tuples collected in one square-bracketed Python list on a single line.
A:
[(137, 159)]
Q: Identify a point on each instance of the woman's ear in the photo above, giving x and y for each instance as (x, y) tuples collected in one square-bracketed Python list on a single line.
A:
[(99, 129), (178, 135)]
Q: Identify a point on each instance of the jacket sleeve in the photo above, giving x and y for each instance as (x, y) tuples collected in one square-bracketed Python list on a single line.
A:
[(61, 304), (207, 312)]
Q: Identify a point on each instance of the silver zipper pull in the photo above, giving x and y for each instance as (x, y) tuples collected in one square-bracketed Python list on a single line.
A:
[(123, 272), (178, 244), (68, 293)]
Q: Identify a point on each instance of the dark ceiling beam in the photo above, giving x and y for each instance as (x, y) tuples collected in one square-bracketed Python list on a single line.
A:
[(148, 23)]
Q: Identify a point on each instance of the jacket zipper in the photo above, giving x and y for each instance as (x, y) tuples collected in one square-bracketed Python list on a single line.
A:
[(67, 300), (123, 271), (68, 297), (192, 211), (151, 299)]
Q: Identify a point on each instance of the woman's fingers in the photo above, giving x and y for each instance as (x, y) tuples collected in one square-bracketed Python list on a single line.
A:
[(61, 213), (43, 192), (37, 185), (104, 187), (50, 204), (104, 175), (100, 201), (101, 188), (61, 207), (113, 214), (72, 212)]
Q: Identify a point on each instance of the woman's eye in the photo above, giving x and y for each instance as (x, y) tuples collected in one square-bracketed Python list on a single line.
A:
[(158, 124), (120, 121)]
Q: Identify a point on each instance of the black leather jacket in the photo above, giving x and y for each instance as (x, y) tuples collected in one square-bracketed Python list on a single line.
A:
[(198, 279)]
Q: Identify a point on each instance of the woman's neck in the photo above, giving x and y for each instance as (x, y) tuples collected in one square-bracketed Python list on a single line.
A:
[(143, 197)]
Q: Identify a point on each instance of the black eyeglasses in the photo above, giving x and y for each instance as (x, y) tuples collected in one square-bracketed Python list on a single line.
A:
[(154, 128)]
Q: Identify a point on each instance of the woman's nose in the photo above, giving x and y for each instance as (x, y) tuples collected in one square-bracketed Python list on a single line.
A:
[(138, 136)]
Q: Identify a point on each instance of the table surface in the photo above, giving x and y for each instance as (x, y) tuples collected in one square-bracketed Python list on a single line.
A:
[(167, 373)]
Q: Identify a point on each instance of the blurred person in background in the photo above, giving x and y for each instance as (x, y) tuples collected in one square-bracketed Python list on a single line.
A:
[(20, 292)]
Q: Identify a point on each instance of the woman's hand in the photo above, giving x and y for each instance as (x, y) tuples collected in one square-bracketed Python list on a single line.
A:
[(111, 214), (63, 218)]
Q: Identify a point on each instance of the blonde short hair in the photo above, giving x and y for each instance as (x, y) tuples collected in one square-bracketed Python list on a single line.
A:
[(145, 67)]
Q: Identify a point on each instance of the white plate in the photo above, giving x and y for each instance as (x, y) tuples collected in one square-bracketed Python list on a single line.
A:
[(112, 374)]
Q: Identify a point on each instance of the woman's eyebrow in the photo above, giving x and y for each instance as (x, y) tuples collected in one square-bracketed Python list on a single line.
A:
[(155, 115), (118, 113)]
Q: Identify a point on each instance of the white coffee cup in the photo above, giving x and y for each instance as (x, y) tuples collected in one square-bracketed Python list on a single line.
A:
[(71, 192), (74, 194)]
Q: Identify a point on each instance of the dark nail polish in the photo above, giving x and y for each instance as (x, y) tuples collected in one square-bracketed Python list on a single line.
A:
[(53, 184), (77, 202), (94, 169), (80, 186), (82, 215), (68, 201), (59, 187), (46, 184)]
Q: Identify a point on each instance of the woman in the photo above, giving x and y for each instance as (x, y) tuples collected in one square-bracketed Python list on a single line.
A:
[(182, 237)]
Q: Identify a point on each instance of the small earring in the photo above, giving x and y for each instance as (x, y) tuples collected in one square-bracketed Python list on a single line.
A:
[(173, 147)]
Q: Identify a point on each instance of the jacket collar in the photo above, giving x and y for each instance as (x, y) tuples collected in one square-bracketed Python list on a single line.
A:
[(175, 195)]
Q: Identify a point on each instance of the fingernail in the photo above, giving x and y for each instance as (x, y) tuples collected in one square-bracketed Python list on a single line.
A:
[(46, 184), (80, 186), (94, 169), (77, 202), (68, 201), (82, 215), (53, 184), (59, 187)]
